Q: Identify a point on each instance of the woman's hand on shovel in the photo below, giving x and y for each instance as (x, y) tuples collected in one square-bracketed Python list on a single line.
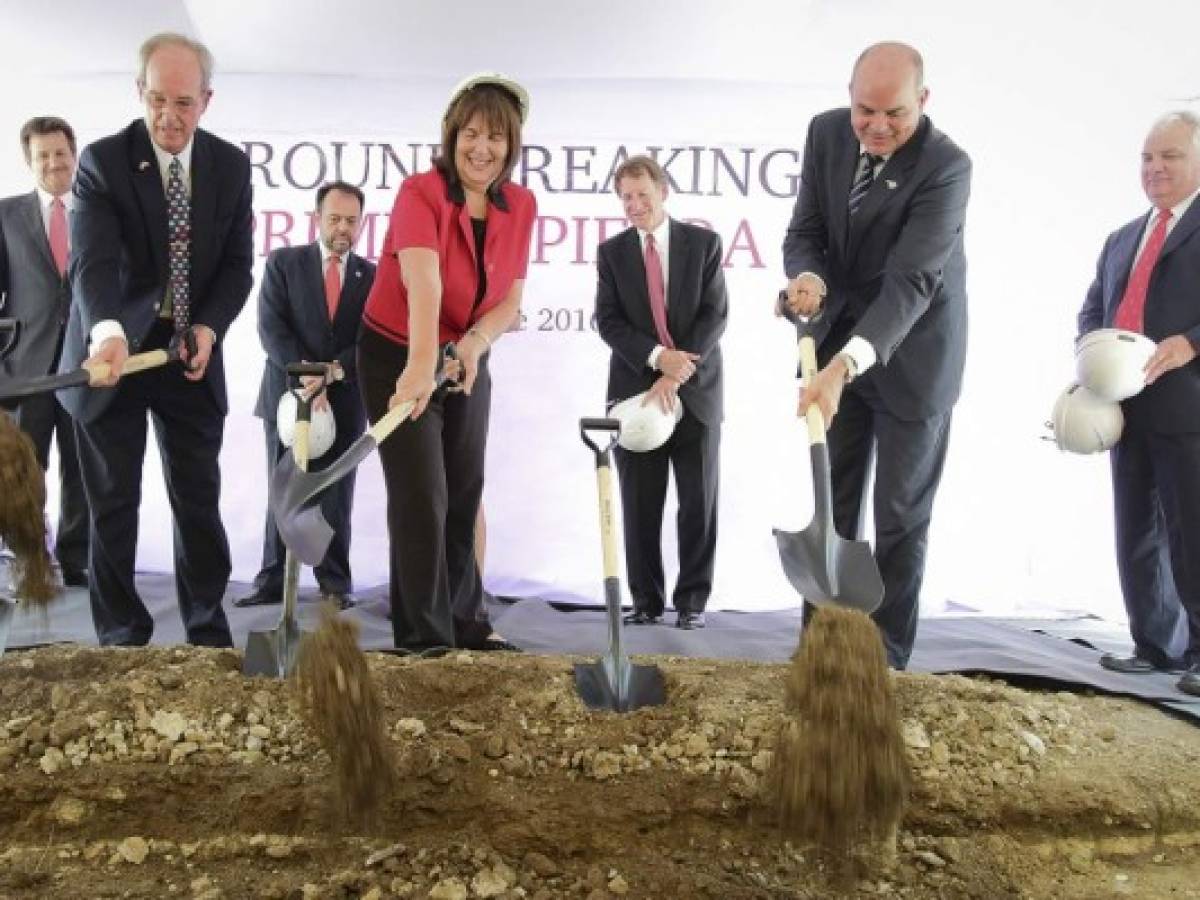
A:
[(415, 383)]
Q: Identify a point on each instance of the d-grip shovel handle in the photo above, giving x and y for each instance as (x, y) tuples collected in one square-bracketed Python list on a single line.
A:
[(612, 426), (608, 520), (808, 371)]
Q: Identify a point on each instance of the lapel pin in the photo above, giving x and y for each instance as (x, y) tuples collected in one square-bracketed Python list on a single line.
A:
[(143, 166), (358, 274), (891, 185)]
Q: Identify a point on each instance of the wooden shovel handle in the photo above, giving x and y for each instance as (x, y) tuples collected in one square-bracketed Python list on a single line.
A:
[(139, 362), (808, 371)]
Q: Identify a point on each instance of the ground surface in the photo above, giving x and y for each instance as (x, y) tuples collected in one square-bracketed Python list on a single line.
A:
[(166, 773)]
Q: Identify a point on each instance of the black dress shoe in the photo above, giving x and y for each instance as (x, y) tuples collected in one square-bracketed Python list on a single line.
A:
[(340, 600), (258, 598), (689, 621), (73, 577), (1190, 682), (638, 617), (1127, 664)]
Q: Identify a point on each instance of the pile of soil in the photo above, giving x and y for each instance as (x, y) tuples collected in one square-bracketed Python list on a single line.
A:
[(164, 772)]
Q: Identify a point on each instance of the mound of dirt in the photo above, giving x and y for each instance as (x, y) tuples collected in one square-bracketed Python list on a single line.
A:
[(163, 772)]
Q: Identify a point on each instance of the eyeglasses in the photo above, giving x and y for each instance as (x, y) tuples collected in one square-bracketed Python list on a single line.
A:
[(181, 105)]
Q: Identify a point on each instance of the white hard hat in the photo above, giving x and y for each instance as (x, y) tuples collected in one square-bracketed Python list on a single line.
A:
[(1109, 362), (1084, 423), (321, 428), (495, 78), (644, 427)]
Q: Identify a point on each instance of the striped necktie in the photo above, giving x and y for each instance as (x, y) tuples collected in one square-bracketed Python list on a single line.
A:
[(863, 180)]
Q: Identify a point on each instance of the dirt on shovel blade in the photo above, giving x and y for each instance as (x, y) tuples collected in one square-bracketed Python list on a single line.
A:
[(22, 526), (340, 703), (840, 773)]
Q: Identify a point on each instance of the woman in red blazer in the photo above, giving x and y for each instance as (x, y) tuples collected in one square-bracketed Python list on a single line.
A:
[(452, 269)]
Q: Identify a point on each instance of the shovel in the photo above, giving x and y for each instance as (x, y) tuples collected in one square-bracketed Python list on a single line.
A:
[(86, 375), (825, 568), (274, 652), (293, 490), (8, 606), (613, 682)]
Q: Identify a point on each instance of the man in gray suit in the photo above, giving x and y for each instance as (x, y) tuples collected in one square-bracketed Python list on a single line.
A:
[(34, 245), (877, 233), (309, 310), (1148, 280)]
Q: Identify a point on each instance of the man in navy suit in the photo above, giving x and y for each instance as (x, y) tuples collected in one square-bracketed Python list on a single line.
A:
[(1148, 280), (162, 248), (675, 360), (34, 246), (877, 233), (309, 309)]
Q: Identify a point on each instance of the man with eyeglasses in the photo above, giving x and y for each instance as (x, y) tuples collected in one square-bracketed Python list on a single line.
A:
[(162, 256)]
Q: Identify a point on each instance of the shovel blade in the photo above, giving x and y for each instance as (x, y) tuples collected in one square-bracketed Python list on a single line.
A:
[(306, 534), (7, 608), (619, 688), (273, 653), (293, 499), (827, 570)]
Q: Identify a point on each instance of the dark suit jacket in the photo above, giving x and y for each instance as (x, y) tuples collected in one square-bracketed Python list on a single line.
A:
[(697, 309), (33, 291), (1172, 404), (896, 274), (293, 324), (118, 263)]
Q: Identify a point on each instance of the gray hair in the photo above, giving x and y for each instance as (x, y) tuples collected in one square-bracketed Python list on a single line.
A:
[(1180, 117), (169, 39)]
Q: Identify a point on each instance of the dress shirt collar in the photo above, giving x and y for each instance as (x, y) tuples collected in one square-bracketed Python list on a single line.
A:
[(1177, 211), (326, 253), (882, 159), (662, 235), (44, 199), (164, 160)]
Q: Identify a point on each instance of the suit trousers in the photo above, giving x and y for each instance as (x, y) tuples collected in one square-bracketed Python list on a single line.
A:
[(42, 417), (908, 458), (337, 503), (1156, 499), (433, 472), (189, 427), (692, 452)]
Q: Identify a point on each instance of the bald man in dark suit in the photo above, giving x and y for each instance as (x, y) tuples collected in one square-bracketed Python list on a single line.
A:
[(877, 235)]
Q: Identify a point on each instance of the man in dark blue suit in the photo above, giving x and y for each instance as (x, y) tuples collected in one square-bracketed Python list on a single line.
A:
[(878, 228), (161, 248), (675, 357), (1148, 280), (309, 310)]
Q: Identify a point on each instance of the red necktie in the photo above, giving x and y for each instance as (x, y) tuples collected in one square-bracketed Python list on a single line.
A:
[(658, 293), (333, 285), (1131, 311), (58, 234)]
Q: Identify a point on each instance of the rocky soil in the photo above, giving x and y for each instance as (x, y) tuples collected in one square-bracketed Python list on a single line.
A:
[(165, 772)]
